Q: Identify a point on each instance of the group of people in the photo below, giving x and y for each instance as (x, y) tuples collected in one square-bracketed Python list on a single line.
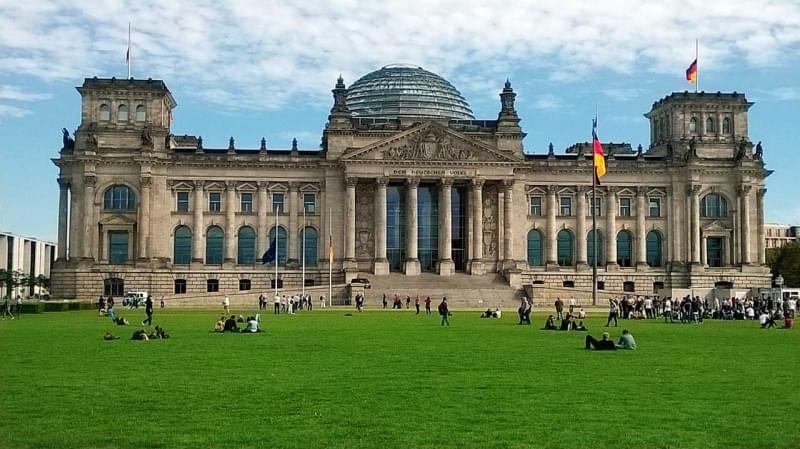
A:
[(569, 323), (289, 304), (626, 341), (9, 310), (251, 324), (397, 303)]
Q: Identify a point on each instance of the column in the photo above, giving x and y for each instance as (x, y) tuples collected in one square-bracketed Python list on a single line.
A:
[(611, 227), (508, 220), (411, 265), (476, 265), (552, 244), (63, 207), (694, 201), (263, 207), (89, 181), (641, 231), (446, 266), (703, 252), (291, 240), (143, 227), (677, 237), (75, 227), (580, 225), (350, 220), (762, 256), (381, 263), (668, 211), (198, 231), (744, 194), (230, 225)]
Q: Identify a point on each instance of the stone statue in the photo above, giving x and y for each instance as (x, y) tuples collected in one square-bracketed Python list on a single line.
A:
[(69, 142), (294, 144), (759, 155), (147, 138), (639, 151), (200, 143), (550, 151), (692, 153), (231, 142), (670, 150), (263, 144)]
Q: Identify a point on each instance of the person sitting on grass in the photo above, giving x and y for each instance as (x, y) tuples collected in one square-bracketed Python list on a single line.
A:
[(220, 325), (109, 336), (487, 314), (566, 323), (550, 324), (230, 325), (497, 313), (252, 326), (626, 341), (120, 321), (604, 344), (579, 327), (140, 334), (766, 320), (581, 314)]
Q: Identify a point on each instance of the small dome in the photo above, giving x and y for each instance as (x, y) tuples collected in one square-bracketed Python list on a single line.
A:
[(401, 90)]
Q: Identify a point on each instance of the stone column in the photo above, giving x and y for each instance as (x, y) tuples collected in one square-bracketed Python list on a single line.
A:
[(508, 220), (476, 265), (230, 225), (63, 207), (292, 239), (75, 228), (744, 194), (552, 232), (263, 207), (580, 225), (350, 220), (703, 252), (143, 227), (446, 265), (762, 256), (411, 265), (89, 181), (641, 231), (611, 228), (380, 265), (694, 199), (197, 232)]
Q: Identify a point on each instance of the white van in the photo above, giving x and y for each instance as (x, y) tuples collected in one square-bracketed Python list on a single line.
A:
[(134, 298)]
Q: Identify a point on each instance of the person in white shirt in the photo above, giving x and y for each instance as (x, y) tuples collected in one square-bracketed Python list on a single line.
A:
[(252, 326), (571, 305), (276, 308), (226, 305), (497, 313), (581, 314), (791, 304), (751, 313), (668, 310), (648, 308)]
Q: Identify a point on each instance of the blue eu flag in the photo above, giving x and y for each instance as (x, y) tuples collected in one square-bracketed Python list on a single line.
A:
[(269, 256)]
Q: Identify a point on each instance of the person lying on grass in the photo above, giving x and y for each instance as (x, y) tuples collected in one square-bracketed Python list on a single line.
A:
[(109, 336), (626, 341), (140, 334), (120, 321), (159, 332), (579, 326)]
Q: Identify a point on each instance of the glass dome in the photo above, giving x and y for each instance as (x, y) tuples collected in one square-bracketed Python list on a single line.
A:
[(401, 90)]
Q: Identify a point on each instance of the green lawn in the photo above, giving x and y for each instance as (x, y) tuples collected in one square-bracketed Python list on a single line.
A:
[(392, 379)]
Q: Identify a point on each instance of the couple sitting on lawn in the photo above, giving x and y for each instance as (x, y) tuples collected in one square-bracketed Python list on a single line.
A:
[(230, 325), (567, 324), (626, 341)]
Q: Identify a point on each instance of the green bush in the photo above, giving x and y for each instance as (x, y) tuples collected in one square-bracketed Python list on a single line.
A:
[(32, 307)]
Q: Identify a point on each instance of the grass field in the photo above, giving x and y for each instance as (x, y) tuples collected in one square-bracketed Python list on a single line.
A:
[(393, 380)]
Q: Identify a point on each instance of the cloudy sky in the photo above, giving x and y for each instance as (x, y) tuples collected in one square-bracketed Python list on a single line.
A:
[(265, 68)]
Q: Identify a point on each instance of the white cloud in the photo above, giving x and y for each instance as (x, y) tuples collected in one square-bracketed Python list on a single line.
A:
[(547, 101), (14, 93), (783, 93), (623, 93), (266, 55), (9, 111)]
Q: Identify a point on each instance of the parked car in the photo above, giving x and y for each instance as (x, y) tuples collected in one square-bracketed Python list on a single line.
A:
[(363, 281)]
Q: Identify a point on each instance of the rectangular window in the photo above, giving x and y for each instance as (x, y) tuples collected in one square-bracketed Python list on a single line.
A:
[(214, 202), (598, 206), (117, 246), (277, 202), (655, 207), (247, 202), (536, 206), (566, 206), (183, 201), (212, 285), (244, 284), (310, 203), (624, 207), (180, 286)]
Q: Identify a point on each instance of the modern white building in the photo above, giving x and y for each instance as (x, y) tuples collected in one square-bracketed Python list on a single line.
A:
[(30, 256), (779, 235)]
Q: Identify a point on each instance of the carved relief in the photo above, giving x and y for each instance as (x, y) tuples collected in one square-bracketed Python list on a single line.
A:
[(435, 144), (490, 224), (365, 207)]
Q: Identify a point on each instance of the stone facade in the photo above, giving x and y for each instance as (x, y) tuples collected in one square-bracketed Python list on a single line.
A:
[(685, 212)]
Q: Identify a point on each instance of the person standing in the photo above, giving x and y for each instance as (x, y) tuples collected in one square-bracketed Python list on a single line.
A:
[(162, 301), (148, 310), (428, 306), (226, 305), (571, 305), (668, 310), (444, 311), (385, 302), (559, 309), (648, 308), (613, 311), (322, 300), (310, 302), (19, 306), (416, 304)]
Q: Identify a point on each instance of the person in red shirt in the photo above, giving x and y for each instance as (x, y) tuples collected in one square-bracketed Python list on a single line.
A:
[(444, 311), (428, 306)]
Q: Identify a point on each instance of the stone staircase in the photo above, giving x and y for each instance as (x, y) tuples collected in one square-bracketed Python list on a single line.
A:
[(462, 290)]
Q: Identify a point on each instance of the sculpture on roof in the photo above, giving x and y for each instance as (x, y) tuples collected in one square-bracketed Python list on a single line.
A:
[(759, 155), (69, 142), (147, 138)]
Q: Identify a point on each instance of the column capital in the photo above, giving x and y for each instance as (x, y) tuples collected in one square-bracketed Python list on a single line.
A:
[(412, 182), (351, 181), (198, 184), (146, 181), (508, 183), (295, 185), (382, 182), (583, 189), (744, 189), (552, 189), (63, 183), (693, 189), (612, 190), (262, 185), (761, 193), (641, 190), (477, 183), (89, 180), (230, 185), (446, 182)]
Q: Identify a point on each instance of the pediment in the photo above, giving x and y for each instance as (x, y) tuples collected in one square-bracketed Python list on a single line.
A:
[(430, 142), (716, 226), (183, 185), (626, 191), (278, 187), (656, 191), (215, 185), (535, 190), (247, 187), (309, 188), (117, 220)]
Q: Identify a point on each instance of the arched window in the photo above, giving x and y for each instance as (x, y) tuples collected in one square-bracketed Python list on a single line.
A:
[(281, 242), (215, 240), (624, 249), (726, 125), (710, 126), (534, 248), (693, 126), (564, 248), (182, 246), (140, 113), (601, 255), (122, 113), (105, 112), (310, 251), (653, 244), (246, 246), (714, 205), (119, 197)]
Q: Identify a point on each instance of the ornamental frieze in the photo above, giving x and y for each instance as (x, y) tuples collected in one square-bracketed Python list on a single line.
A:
[(434, 145)]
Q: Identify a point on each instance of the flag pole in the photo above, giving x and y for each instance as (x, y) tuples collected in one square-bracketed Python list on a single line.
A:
[(129, 61), (330, 256), (277, 252), (594, 219), (304, 252), (697, 67)]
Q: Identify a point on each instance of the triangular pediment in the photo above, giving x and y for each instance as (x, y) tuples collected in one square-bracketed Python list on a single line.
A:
[(117, 220), (716, 226), (430, 142)]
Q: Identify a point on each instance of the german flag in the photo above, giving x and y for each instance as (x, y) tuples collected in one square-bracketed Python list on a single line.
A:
[(691, 72), (599, 156)]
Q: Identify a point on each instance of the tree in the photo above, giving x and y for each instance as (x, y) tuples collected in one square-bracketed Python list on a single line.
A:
[(11, 279), (785, 261)]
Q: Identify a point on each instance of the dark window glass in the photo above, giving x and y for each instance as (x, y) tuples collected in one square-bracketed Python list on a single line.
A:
[(564, 248), (624, 207), (180, 286), (601, 253), (246, 246), (117, 246), (212, 285), (247, 202), (308, 246), (113, 287), (214, 201), (653, 244), (628, 286), (395, 226), (624, 249), (119, 197), (598, 209), (458, 208), (427, 227), (713, 206), (277, 202), (182, 249), (183, 201), (534, 248), (244, 284), (215, 241), (310, 203), (281, 242), (714, 251), (536, 206), (566, 206), (655, 207)]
